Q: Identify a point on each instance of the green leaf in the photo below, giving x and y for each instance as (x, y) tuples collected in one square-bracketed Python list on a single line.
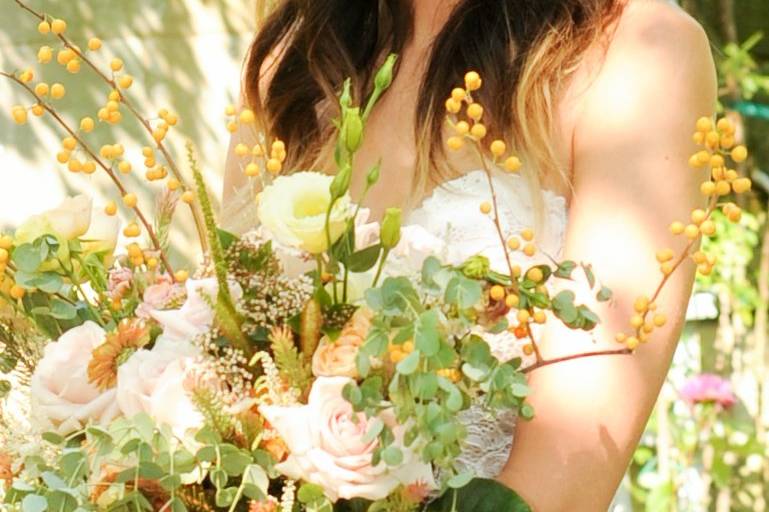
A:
[(426, 334), (392, 455), (480, 495), (49, 282), (225, 497), (604, 294), (256, 476), (463, 292), (61, 310), (565, 268), (309, 493), (218, 477), (374, 430), (588, 269), (226, 239), (53, 438), (234, 461), (34, 503), (460, 480), (27, 258), (409, 365), (365, 259)]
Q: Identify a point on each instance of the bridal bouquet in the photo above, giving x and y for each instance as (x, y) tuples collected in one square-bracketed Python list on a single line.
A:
[(320, 362)]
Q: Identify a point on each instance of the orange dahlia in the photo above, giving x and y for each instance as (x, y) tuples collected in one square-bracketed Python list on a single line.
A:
[(129, 336)]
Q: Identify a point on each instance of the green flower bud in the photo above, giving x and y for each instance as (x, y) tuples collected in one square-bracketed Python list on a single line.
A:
[(384, 77), (341, 182), (352, 129), (476, 267), (390, 233), (373, 174), (345, 99)]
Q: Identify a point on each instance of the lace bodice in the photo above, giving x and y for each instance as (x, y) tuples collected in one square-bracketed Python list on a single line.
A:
[(452, 213)]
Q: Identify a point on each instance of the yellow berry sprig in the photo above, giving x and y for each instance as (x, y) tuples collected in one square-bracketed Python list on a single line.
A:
[(271, 161), (718, 143), (73, 141), (471, 129), (72, 57)]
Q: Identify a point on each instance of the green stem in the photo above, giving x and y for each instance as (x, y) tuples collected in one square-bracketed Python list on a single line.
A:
[(319, 261), (385, 253)]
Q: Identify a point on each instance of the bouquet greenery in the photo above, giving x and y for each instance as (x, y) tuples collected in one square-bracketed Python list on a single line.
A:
[(316, 363)]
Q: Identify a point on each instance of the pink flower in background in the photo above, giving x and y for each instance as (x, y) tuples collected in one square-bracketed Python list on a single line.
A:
[(158, 297), (708, 388)]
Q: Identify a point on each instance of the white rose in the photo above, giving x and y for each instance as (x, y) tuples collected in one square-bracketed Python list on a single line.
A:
[(61, 392), (326, 446), (293, 209), (158, 382), (69, 220), (102, 234)]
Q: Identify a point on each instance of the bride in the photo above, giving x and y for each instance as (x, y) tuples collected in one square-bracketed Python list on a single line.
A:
[(598, 97)]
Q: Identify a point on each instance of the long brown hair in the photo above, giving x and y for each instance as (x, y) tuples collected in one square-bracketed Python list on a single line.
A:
[(525, 50)]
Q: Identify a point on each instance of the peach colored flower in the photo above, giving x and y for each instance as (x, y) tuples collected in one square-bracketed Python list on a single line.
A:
[(326, 445), (337, 358), (61, 391)]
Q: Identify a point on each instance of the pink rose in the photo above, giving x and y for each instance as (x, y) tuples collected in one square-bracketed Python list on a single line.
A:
[(157, 297), (709, 388), (158, 382), (60, 389), (196, 315), (327, 448), (337, 358), (119, 282)]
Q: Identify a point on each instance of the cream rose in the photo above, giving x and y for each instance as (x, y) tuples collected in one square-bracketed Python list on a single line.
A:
[(337, 358), (68, 221), (158, 382), (102, 234), (293, 209), (326, 446), (60, 390)]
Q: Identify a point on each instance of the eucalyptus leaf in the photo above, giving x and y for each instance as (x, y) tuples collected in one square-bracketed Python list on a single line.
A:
[(409, 365), (480, 495)]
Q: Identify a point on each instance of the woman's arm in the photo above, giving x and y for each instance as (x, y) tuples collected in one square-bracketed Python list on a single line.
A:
[(632, 145)]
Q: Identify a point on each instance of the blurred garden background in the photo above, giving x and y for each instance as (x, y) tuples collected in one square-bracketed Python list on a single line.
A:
[(707, 445)]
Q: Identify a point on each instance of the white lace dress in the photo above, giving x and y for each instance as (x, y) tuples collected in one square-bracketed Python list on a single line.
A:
[(452, 213)]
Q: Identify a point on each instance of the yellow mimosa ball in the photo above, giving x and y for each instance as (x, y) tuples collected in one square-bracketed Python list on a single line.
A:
[(632, 343), (38, 110), (229, 110), (514, 243), (540, 317), (739, 153), (727, 141), (512, 301), (478, 131), (69, 143), (94, 44), (725, 125), (527, 234), (529, 250), (698, 138), (116, 65), (152, 263), (111, 208), (130, 200), (27, 76), (44, 27), (455, 143), (58, 26), (741, 185), (42, 89), (723, 188), (712, 139), (698, 216), (535, 274), (58, 91), (172, 119), (453, 106), (458, 94), (87, 124), (664, 255), (125, 81), (74, 165), (19, 114), (660, 320), (252, 170), (132, 230), (6, 242), (181, 276), (45, 54), (63, 156), (498, 148), (717, 161), (708, 228), (247, 116), (173, 184), (462, 128), (708, 188), (497, 293), (3, 256), (473, 81), (513, 164), (188, 197), (124, 167), (89, 167), (274, 165), (242, 150), (641, 304), (692, 231), (485, 207), (232, 127), (73, 66), (620, 337), (704, 124), (103, 114), (475, 111), (17, 292)]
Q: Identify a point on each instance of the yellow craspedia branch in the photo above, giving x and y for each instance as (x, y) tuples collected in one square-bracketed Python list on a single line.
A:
[(72, 57), (256, 158)]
